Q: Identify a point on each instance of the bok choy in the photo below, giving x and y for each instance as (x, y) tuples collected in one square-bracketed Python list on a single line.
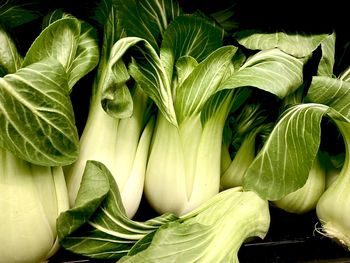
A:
[(119, 127), (97, 226), (37, 136), (194, 82)]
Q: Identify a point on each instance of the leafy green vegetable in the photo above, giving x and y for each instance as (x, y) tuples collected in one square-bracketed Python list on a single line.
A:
[(120, 112), (306, 198), (224, 221), (97, 225), (10, 59), (36, 117), (32, 197), (71, 41), (298, 44), (18, 12)]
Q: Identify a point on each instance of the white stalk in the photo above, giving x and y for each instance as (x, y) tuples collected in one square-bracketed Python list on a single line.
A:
[(333, 208), (31, 199), (183, 169), (305, 199), (114, 142)]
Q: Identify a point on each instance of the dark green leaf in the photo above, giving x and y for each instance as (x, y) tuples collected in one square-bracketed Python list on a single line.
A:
[(14, 13), (36, 114)]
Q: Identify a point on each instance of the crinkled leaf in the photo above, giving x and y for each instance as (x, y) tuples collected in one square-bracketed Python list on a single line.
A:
[(115, 97), (10, 59), (188, 36), (97, 225), (72, 42), (270, 70), (332, 92), (298, 44), (36, 115), (283, 164), (147, 69), (202, 83)]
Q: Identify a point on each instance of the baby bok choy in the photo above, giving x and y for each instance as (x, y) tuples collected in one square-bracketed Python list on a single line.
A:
[(119, 125), (97, 226), (32, 197), (333, 207), (37, 136), (194, 81)]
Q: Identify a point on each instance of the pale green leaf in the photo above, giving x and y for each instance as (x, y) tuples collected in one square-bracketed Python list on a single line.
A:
[(270, 70), (298, 44), (332, 92), (188, 36), (36, 115), (146, 68), (97, 225), (325, 67), (202, 83), (283, 164), (58, 40), (53, 16), (10, 59), (184, 66), (72, 42), (146, 19), (225, 221), (86, 55)]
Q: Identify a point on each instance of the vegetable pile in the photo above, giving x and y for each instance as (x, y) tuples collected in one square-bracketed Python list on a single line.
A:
[(208, 121)]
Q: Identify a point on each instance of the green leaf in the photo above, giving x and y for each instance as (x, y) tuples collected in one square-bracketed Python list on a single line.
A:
[(298, 44), (283, 164), (72, 42), (36, 115), (225, 221), (54, 16), (86, 54), (97, 225), (332, 92), (325, 67), (147, 69), (18, 12), (10, 59), (114, 94), (202, 83), (184, 66), (58, 40), (146, 19), (188, 36), (270, 70)]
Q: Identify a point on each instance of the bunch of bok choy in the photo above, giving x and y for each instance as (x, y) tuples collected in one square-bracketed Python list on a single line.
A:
[(38, 133)]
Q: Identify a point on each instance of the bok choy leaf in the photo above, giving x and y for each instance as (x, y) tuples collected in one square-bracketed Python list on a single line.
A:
[(36, 116)]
